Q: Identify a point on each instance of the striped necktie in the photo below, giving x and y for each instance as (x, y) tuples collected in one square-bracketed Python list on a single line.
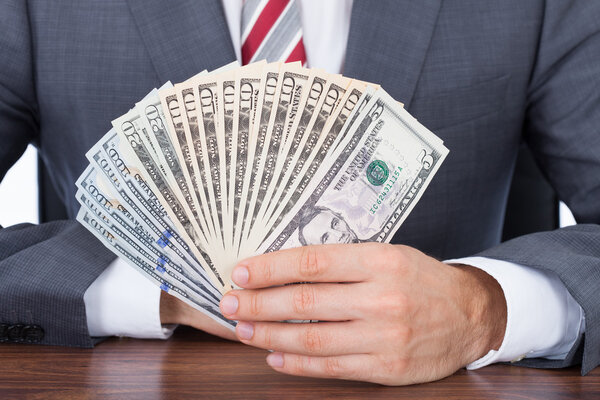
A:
[(272, 31)]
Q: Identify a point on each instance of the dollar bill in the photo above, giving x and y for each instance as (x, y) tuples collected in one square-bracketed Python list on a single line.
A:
[(136, 198), (208, 101), (323, 100), (298, 122), (154, 121), (113, 243), (97, 194), (246, 108), (247, 160), (134, 241), (145, 183), (227, 88), (270, 83), (290, 87), (177, 112), (331, 118), (194, 138)]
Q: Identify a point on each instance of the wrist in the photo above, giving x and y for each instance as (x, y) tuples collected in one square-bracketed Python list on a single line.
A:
[(172, 311), (485, 304), (175, 311)]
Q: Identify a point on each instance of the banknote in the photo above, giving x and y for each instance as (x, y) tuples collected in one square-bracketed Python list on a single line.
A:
[(195, 165), (113, 243), (288, 93), (143, 180), (133, 197), (134, 241), (270, 85), (292, 91), (323, 100), (227, 89), (388, 160), (331, 119), (246, 160), (207, 98), (98, 195), (155, 123), (246, 109), (176, 112), (298, 122)]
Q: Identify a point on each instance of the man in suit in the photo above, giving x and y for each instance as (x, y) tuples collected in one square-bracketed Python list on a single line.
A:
[(482, 75)]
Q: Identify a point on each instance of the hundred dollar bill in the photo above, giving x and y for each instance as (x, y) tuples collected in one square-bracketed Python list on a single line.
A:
[(137, 198), (129, 140), (298, 122), (183, 117), (386, 163), (127, 180), (227, 92), (331, 117), (233, 163), (151, 146), (257, 148), (207, 98), (163, 264), (97, 194), (180, 113), (322, 101), (116, 245), (246, 106), (193, 135), (125, 147), (154, 121), (113, 243), (289, 90)]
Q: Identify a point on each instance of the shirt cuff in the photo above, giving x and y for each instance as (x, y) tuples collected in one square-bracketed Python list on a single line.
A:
[(543, 319), (122, 302)]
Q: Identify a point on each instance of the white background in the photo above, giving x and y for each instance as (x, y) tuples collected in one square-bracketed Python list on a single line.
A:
[(19, 191), (19, 194)]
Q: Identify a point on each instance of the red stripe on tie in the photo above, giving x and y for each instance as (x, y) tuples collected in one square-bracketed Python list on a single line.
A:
[(298, 53), (261, 28)]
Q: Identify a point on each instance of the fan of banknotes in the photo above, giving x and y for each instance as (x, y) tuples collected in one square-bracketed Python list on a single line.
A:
[(246, 160)]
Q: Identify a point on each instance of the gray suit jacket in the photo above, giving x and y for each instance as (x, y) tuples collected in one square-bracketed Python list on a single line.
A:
[(483, 75)]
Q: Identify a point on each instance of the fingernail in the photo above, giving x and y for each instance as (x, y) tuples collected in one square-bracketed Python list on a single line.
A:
[(275, 360), (240, 275), (245, 330), (229, 304)]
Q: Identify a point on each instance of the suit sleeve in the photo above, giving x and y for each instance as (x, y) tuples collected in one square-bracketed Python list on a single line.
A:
[(44, 269), (562, 127)]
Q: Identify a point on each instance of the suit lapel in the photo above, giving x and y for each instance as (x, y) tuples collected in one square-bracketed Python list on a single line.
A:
[(388, 42), (183, 37)]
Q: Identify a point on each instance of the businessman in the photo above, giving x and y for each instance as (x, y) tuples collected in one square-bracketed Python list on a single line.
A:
[(483, 75)]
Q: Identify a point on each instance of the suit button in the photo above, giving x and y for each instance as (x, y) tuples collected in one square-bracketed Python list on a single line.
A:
[(14, 333), (3, 333), (32, 334)]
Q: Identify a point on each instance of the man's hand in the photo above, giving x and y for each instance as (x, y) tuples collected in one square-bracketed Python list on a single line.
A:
[(390, 314)]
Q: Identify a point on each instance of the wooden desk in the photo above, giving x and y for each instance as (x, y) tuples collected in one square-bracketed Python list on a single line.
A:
[(196, 365)]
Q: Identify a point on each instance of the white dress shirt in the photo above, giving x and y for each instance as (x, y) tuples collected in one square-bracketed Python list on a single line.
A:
[(543, 319)]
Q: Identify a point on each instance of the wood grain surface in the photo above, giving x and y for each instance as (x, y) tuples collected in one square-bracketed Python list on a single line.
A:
[(196, 365)]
